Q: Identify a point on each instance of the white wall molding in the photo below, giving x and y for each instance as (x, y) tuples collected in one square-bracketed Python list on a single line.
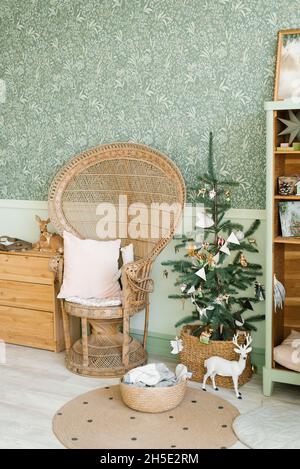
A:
[(241, 213)]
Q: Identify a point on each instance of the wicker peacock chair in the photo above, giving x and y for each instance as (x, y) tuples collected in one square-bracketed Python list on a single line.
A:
[(101, 175)]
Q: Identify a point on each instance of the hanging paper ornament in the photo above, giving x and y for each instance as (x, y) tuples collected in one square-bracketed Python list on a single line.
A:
[(201, 311), (203, 220), (279, 294), (221, 242), (183, 287), (260, 291), (232, 239), (238, 320), (247, 305), (240, 235), (177, 345), (243, 261), (225, 249), (165, 273), (201, 273), (212, 194), (191, 290), (202, 192)]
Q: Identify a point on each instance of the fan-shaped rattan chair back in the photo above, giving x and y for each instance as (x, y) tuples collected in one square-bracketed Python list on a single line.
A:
[(130, 177)]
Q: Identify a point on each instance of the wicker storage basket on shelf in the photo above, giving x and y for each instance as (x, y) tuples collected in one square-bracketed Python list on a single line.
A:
[(151, 399), (194, 354)]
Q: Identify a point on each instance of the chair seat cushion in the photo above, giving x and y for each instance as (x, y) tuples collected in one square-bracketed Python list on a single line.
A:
[(95, 302)]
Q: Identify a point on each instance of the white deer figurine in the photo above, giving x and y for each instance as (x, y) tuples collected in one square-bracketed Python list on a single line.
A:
[(220, 366)]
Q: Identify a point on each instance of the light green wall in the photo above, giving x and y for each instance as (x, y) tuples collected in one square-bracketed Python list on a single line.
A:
[(161, 72)]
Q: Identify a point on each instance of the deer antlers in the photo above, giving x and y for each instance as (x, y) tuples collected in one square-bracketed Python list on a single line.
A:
[(242, 347)]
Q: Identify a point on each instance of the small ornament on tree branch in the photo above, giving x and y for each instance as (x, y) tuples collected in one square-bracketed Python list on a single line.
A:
[(165, 273), (260, 291), (243, 261)]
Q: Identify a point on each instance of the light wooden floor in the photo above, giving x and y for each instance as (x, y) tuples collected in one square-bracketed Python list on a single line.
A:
[(34, 384)]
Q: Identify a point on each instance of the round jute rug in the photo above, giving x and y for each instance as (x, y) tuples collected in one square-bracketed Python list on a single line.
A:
[(99, 419)]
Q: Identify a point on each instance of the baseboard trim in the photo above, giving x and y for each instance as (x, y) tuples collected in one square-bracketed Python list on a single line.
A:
[(159, 344)]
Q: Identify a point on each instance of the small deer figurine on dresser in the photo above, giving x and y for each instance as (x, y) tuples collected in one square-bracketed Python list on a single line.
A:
[(50, 242), (220, 366)]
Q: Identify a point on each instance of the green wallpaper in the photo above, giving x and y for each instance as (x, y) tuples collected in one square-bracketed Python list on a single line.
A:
[(161, 72)]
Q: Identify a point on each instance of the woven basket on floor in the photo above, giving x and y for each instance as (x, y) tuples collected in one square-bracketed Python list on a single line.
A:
[(151, 399), (194, 354)]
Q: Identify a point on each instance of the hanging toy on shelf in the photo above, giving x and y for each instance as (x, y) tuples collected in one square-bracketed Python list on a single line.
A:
[(279, 294)]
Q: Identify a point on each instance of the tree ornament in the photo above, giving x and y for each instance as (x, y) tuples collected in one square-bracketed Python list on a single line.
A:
[(205, 336), (191, 249), (292, 126), (211, 261), (225, 249), (232, 238), (247, 305), (252, 241), (243, 261), (165, 273), (204, 221), (240, 235), (260, 291), (216, 258), (202, 192), (226, 298), (191, 290), (183, 287), (227, 195), (212, 194), (177, 345), (221, 242), (201, 273), (205, 245), (238, 320), (199, 292), (279, 294)]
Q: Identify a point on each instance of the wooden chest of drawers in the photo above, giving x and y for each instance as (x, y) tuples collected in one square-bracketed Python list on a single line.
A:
[(29, 311)]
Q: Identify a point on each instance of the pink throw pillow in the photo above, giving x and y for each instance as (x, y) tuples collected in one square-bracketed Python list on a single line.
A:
[(90, 268)]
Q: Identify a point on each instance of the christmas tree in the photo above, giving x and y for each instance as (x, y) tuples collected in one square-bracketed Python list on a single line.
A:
[(214, 271)]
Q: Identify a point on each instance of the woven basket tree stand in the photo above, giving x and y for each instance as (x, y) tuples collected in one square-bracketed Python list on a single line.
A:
[(194, 354)]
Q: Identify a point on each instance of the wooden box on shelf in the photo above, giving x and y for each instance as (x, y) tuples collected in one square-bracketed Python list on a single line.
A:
[(29, 310), (283, 253)]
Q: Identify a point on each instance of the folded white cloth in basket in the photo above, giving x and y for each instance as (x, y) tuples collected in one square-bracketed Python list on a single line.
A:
[(156, 374)]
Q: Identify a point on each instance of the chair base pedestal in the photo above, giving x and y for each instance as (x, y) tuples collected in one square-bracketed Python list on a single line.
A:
[(104, 356)]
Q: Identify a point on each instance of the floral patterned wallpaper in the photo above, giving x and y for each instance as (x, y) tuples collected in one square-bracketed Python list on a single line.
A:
[(78, 73)]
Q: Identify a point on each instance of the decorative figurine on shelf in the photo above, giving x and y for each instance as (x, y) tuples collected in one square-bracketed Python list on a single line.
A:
[(51, 242), (220, 366)]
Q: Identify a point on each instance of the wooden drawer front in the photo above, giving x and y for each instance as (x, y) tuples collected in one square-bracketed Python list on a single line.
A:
[(27, 295), (27, 327), (25, 268)]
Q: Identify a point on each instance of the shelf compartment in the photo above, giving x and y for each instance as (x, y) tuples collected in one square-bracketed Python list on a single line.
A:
[(286, 240), (289, 152), (287, 197)]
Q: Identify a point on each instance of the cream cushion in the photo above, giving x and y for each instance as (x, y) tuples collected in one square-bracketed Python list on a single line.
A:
[(288, 353), (90, 268)]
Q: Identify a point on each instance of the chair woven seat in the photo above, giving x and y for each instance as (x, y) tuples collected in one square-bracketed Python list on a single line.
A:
[(126, 176)]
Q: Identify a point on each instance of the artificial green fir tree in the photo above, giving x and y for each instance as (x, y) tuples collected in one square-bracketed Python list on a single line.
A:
[(215, 271)]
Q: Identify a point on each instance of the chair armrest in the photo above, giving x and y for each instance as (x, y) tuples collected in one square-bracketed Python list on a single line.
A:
[(135, 275)]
